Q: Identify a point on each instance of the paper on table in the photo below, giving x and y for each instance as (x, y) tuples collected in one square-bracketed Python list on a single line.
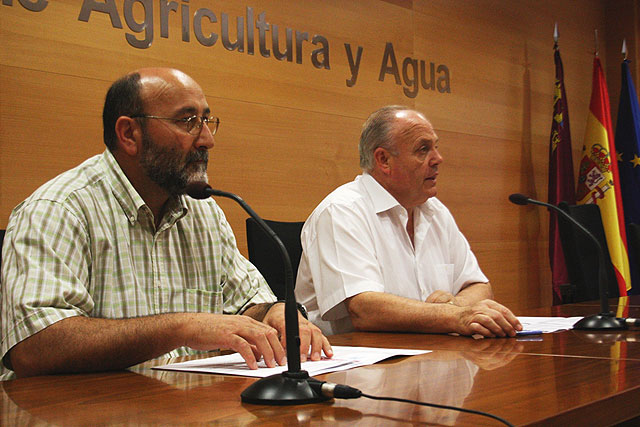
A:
[(547, 324), (343, 358)]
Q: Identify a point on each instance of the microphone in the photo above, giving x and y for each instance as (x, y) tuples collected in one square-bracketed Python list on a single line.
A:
[(291, 387), (605, 319)]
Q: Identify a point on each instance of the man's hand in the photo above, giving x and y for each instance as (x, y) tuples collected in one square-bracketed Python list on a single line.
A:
[(440, 297), (251, 339), (488, 318), (312, 341)]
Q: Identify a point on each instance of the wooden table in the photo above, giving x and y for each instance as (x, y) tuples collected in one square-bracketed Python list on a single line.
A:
[(566, 378)]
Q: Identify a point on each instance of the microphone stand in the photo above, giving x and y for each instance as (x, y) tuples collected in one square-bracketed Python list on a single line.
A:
[(291, 387), (605, 320)]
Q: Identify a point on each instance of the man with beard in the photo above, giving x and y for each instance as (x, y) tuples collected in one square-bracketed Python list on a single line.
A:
[(111, 264), (381, 253)]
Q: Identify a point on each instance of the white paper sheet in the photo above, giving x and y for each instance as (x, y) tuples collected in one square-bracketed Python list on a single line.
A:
[(547, 324), (343, 358)]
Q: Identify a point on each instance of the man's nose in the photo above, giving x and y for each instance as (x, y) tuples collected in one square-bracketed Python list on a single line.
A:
[(437, 157), (205, 138)]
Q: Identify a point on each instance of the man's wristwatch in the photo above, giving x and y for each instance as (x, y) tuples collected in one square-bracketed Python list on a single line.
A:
[(301, 308)]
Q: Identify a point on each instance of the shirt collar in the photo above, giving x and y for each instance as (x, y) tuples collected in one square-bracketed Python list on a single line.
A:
[(382, 199)]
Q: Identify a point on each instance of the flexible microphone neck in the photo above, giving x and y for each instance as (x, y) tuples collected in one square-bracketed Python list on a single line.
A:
[(202, 190), (293, 386), (521, 199)]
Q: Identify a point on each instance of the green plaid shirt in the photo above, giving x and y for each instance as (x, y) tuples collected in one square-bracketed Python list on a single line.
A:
[(85, 244)]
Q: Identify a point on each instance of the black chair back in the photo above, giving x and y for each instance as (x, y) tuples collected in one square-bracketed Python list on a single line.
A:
[(265, 255), (581, 255)]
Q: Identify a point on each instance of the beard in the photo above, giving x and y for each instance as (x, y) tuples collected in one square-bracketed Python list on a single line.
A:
[(170, 168)]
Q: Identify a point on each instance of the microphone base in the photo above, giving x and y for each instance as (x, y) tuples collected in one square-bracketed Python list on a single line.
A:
[(287, 388), (602, 321)]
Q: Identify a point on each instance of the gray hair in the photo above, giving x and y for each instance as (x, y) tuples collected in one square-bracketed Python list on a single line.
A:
[(376, 132)]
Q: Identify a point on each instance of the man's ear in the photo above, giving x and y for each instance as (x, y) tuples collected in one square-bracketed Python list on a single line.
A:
[(129, 133), (381, 157)]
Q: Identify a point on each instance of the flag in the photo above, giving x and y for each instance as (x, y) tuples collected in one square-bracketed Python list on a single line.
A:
[(628, 147), (561, 184), (598, 180)]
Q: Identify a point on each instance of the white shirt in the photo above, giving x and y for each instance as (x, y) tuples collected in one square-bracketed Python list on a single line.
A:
[(356, 241)]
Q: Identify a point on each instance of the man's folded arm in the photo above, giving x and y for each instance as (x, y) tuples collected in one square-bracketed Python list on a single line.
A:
[(473, 293), (82, 344), (371, 311)]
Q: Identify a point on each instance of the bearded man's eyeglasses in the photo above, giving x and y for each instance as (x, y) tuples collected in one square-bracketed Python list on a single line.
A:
[(192, 124)]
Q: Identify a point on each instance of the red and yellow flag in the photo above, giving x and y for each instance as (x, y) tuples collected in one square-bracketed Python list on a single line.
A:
[(598, 180)]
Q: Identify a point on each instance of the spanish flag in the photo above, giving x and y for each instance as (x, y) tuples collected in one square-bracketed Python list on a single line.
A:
[(598, 180)]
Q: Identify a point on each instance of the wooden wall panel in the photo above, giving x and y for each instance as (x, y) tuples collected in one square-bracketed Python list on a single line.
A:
[(289, 131), (50, 122), (622, 23)]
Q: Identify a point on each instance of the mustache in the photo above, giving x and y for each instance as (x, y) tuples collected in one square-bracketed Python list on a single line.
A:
[(197, 156)]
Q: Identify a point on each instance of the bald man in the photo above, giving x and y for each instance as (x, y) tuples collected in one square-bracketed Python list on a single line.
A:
[(110, 264), (381, 253)]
